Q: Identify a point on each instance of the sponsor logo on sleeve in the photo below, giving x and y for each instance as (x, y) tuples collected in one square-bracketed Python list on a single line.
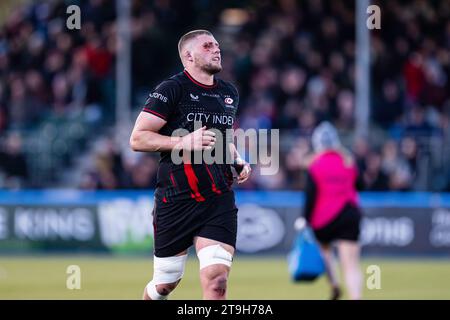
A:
[(158, 96)]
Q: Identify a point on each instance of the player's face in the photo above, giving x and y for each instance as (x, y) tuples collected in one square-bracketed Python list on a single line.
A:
[(206, 53)]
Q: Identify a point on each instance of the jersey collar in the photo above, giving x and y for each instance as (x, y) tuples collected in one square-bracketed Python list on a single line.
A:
[(199, 83)]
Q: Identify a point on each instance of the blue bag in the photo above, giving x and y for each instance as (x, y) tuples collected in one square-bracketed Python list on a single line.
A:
[(304, 260)]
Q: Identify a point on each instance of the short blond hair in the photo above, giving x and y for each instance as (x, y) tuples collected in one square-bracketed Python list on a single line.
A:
[(189, 36)]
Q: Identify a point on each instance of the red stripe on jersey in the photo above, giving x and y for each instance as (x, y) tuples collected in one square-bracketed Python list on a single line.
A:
[(213, 184), (199, 83), (173, 180), (193, 182), (155, 113)]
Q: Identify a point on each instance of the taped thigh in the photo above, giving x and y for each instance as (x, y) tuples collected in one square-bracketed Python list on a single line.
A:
[(214, 254), (169, 269)]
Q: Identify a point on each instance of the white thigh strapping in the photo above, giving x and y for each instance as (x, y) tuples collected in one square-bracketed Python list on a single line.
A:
[(214, 254), (169, 269)]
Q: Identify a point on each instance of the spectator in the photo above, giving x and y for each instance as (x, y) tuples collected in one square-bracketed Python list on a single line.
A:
[(13, 163), (374, 177), (398, 170)]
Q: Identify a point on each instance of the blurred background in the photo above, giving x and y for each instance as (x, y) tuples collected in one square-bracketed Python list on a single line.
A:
[(68, 100)]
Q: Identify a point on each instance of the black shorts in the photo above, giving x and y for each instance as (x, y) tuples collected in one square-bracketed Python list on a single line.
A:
[(346, 226), (176, 224)]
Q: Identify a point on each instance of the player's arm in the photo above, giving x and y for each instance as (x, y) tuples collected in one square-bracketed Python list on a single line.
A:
[(145, 136), (157, 109), (242, 167)]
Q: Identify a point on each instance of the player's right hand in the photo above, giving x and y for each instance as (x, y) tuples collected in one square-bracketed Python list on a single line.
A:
[(200, 139)]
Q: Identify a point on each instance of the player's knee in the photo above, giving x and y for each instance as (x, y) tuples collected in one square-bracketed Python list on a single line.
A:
[(216, 278), (218, 285), (161, 291), (215, 263), (167, 273), (166, 288)]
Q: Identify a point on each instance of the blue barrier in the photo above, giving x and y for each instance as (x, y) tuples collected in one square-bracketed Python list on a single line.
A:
[(288, 199)]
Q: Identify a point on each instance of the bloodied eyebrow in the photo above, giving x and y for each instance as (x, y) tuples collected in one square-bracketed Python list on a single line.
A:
[(210, 44)]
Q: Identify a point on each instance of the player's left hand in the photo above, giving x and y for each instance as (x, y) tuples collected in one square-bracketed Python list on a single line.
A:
[(245, 172)]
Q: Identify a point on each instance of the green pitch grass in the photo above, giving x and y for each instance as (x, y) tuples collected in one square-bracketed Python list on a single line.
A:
[(44, 277)]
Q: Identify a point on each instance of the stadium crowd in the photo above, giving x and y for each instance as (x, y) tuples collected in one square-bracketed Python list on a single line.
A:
[(294, 66)]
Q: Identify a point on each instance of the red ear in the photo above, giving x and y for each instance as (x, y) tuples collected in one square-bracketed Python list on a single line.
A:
[(189, 56)]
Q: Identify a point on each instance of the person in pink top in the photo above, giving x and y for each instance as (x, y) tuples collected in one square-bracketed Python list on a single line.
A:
[(332, 210)]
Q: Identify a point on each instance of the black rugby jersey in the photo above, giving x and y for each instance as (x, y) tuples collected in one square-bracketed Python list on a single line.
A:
[(181, 100)]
